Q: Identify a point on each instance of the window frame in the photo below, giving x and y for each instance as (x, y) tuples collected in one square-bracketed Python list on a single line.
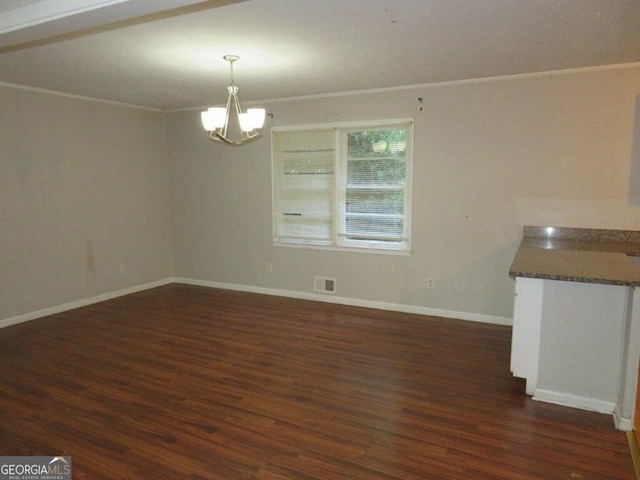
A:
[(339, 241)]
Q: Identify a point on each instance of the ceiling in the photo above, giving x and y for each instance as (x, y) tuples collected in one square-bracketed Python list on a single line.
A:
[(167, 54)]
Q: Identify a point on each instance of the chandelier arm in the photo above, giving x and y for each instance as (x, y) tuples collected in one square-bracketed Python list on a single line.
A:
[(226, 122), (238, 108), (217, 137)]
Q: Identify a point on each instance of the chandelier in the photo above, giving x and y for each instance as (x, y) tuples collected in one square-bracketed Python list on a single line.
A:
[(216, 120)]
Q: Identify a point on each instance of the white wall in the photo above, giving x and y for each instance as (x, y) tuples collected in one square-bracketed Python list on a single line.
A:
[(489, 157), (83, 189), (86, 187)]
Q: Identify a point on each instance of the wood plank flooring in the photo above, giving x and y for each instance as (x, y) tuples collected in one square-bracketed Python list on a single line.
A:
[(184, 382)]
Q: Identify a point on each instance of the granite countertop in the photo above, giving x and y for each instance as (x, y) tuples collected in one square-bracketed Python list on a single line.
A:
[(578, 255)]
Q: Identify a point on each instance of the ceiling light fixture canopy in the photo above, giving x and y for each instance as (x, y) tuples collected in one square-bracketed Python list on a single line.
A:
[(216, 120)]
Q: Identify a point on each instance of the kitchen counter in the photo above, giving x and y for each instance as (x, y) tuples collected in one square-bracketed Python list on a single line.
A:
[(578, 255), (576, 322)]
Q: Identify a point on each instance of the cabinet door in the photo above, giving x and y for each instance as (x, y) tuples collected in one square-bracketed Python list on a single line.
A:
[(525, 340)]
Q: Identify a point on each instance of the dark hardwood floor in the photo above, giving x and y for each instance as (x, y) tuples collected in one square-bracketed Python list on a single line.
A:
[(184, 382)]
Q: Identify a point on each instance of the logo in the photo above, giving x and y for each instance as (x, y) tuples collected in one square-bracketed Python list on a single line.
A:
[(35, 468)]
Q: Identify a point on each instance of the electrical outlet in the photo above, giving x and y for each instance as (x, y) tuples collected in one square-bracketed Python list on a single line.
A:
[(268, 267), (123, 268), (431, 283)]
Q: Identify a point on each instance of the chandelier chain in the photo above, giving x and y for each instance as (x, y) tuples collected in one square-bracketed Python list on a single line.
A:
[(231, 59)]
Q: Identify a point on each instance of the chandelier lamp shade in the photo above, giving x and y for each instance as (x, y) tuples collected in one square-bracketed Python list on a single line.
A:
[(216, 120)]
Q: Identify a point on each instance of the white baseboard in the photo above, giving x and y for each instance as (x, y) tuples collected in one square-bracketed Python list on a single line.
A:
[(622, 423), (394, 307), (355, 302), (80, 303), (575, 401)]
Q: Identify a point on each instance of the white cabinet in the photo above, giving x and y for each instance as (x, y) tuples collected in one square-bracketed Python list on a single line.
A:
[(571, 342), (525, 338)]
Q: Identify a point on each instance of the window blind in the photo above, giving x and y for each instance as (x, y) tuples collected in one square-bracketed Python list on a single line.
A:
[(304, 185), (375, 183)]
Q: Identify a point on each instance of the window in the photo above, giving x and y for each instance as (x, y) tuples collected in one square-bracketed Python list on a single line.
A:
[(344, 186)]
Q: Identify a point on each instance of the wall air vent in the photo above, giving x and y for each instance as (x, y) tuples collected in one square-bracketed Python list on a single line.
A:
[(324, 285)]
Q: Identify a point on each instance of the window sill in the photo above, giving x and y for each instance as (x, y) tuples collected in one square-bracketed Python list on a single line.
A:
[(341, 248)]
